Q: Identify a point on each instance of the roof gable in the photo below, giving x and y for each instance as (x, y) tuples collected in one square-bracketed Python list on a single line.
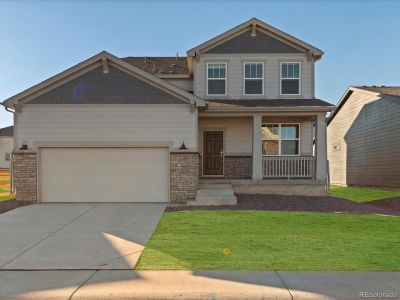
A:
[(255, 26), (392, 91), (114, 87), (105, 61), (258, 43)]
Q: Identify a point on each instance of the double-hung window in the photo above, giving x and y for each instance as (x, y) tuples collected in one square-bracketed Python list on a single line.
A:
[(216, 79), (290, 78), (280, 139), (253, 78)]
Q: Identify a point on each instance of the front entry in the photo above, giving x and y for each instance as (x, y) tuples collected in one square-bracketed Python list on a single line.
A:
[(213, 153)]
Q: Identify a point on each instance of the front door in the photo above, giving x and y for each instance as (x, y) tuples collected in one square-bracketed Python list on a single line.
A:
[(213, 153)]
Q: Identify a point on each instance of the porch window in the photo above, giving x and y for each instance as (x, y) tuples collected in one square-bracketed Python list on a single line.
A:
[(216, 79), (253, 79), (290, 78), (280, 139)]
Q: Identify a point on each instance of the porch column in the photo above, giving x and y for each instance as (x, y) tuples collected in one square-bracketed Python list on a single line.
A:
[(257, 148), (321, 148)]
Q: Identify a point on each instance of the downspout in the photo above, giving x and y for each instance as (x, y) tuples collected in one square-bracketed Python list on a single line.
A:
[(12, 154)]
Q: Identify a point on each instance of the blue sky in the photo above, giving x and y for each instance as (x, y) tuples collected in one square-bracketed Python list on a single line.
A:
[(41, 38)]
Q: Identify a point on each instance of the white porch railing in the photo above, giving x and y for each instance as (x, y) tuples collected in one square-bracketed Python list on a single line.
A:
[(288, 166)]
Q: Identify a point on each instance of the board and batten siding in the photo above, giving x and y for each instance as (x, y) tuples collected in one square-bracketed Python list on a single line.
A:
[(119, 122), (365, 133), (238, 133), (271, 75)]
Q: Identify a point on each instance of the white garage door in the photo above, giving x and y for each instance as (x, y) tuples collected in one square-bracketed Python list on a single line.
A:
[(104, 175)]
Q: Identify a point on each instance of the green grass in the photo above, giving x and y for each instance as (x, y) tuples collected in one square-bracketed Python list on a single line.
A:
[(4, 179), (361, 194), (261, 240)]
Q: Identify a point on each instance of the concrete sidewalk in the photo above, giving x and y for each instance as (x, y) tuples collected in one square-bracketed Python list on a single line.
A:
[(125, 284)]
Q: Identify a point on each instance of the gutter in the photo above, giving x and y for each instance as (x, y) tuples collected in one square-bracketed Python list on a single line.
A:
[(7, 108)]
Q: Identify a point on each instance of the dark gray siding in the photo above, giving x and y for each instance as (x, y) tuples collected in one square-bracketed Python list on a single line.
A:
[(373, 145), (115, 87), (261, 43)]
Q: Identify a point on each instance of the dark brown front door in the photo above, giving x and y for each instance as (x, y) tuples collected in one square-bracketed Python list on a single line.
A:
[(213, 153)]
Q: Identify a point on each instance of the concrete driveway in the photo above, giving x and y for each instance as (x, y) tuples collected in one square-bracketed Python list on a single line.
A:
[(76, 236)]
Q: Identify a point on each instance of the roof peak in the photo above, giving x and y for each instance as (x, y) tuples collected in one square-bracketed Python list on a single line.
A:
[(255, 24)]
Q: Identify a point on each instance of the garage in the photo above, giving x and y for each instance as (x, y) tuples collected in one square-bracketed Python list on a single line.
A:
[(104, 175)]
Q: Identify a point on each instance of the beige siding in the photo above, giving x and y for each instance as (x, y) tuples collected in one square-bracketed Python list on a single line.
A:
[(6, 146), (271, 74), (185, 84), (238, 133), (366, 130), (143, 123)]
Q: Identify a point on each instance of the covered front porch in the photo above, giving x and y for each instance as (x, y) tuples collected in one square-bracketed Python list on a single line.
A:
[(275, 146)]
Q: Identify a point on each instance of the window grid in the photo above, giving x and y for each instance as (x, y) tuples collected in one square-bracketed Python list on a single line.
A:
[(217, 71), (253, 71), (279, 139), (290, 71)]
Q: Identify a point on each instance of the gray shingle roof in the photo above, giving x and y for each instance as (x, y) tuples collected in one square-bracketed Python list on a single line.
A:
[(7, 131), (269, 103), (387, 90), (160, 66)]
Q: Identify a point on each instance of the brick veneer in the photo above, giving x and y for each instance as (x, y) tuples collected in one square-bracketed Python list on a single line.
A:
[(25, 175), (184, 181), (238, 167)]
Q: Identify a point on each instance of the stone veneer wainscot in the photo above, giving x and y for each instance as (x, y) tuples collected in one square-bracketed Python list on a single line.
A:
[(25, 175), (184, 176)]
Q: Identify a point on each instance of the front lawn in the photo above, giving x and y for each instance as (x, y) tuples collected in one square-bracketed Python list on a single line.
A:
[(263, 240), (361, 194)]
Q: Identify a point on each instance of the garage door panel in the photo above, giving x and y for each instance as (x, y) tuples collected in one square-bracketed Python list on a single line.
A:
[(104, 175)]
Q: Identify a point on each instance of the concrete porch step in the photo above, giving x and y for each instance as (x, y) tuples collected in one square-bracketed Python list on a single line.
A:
[(213, 200), (214, 194), (202, 193), (215, 186)]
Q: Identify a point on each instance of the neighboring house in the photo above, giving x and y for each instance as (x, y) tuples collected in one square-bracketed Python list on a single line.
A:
[(6, 146), (364, 137), (149, 129)]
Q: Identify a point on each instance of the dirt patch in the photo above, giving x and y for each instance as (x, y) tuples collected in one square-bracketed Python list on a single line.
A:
[(295, 203), (12, 204)]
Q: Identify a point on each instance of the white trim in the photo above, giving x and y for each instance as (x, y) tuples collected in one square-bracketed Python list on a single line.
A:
[(244, 78), (280, 77), (226, 78), (280, 139)]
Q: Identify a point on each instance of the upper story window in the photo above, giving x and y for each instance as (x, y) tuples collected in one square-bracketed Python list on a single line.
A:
[(290, 78), (253, 78), (280, 139), (216, 79)]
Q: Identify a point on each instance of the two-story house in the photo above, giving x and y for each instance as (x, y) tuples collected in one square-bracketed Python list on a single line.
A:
[(239, 109)]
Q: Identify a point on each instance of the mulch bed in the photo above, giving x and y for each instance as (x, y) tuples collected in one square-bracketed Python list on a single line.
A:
[(303, 203), (390, 203), (12, 204)]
